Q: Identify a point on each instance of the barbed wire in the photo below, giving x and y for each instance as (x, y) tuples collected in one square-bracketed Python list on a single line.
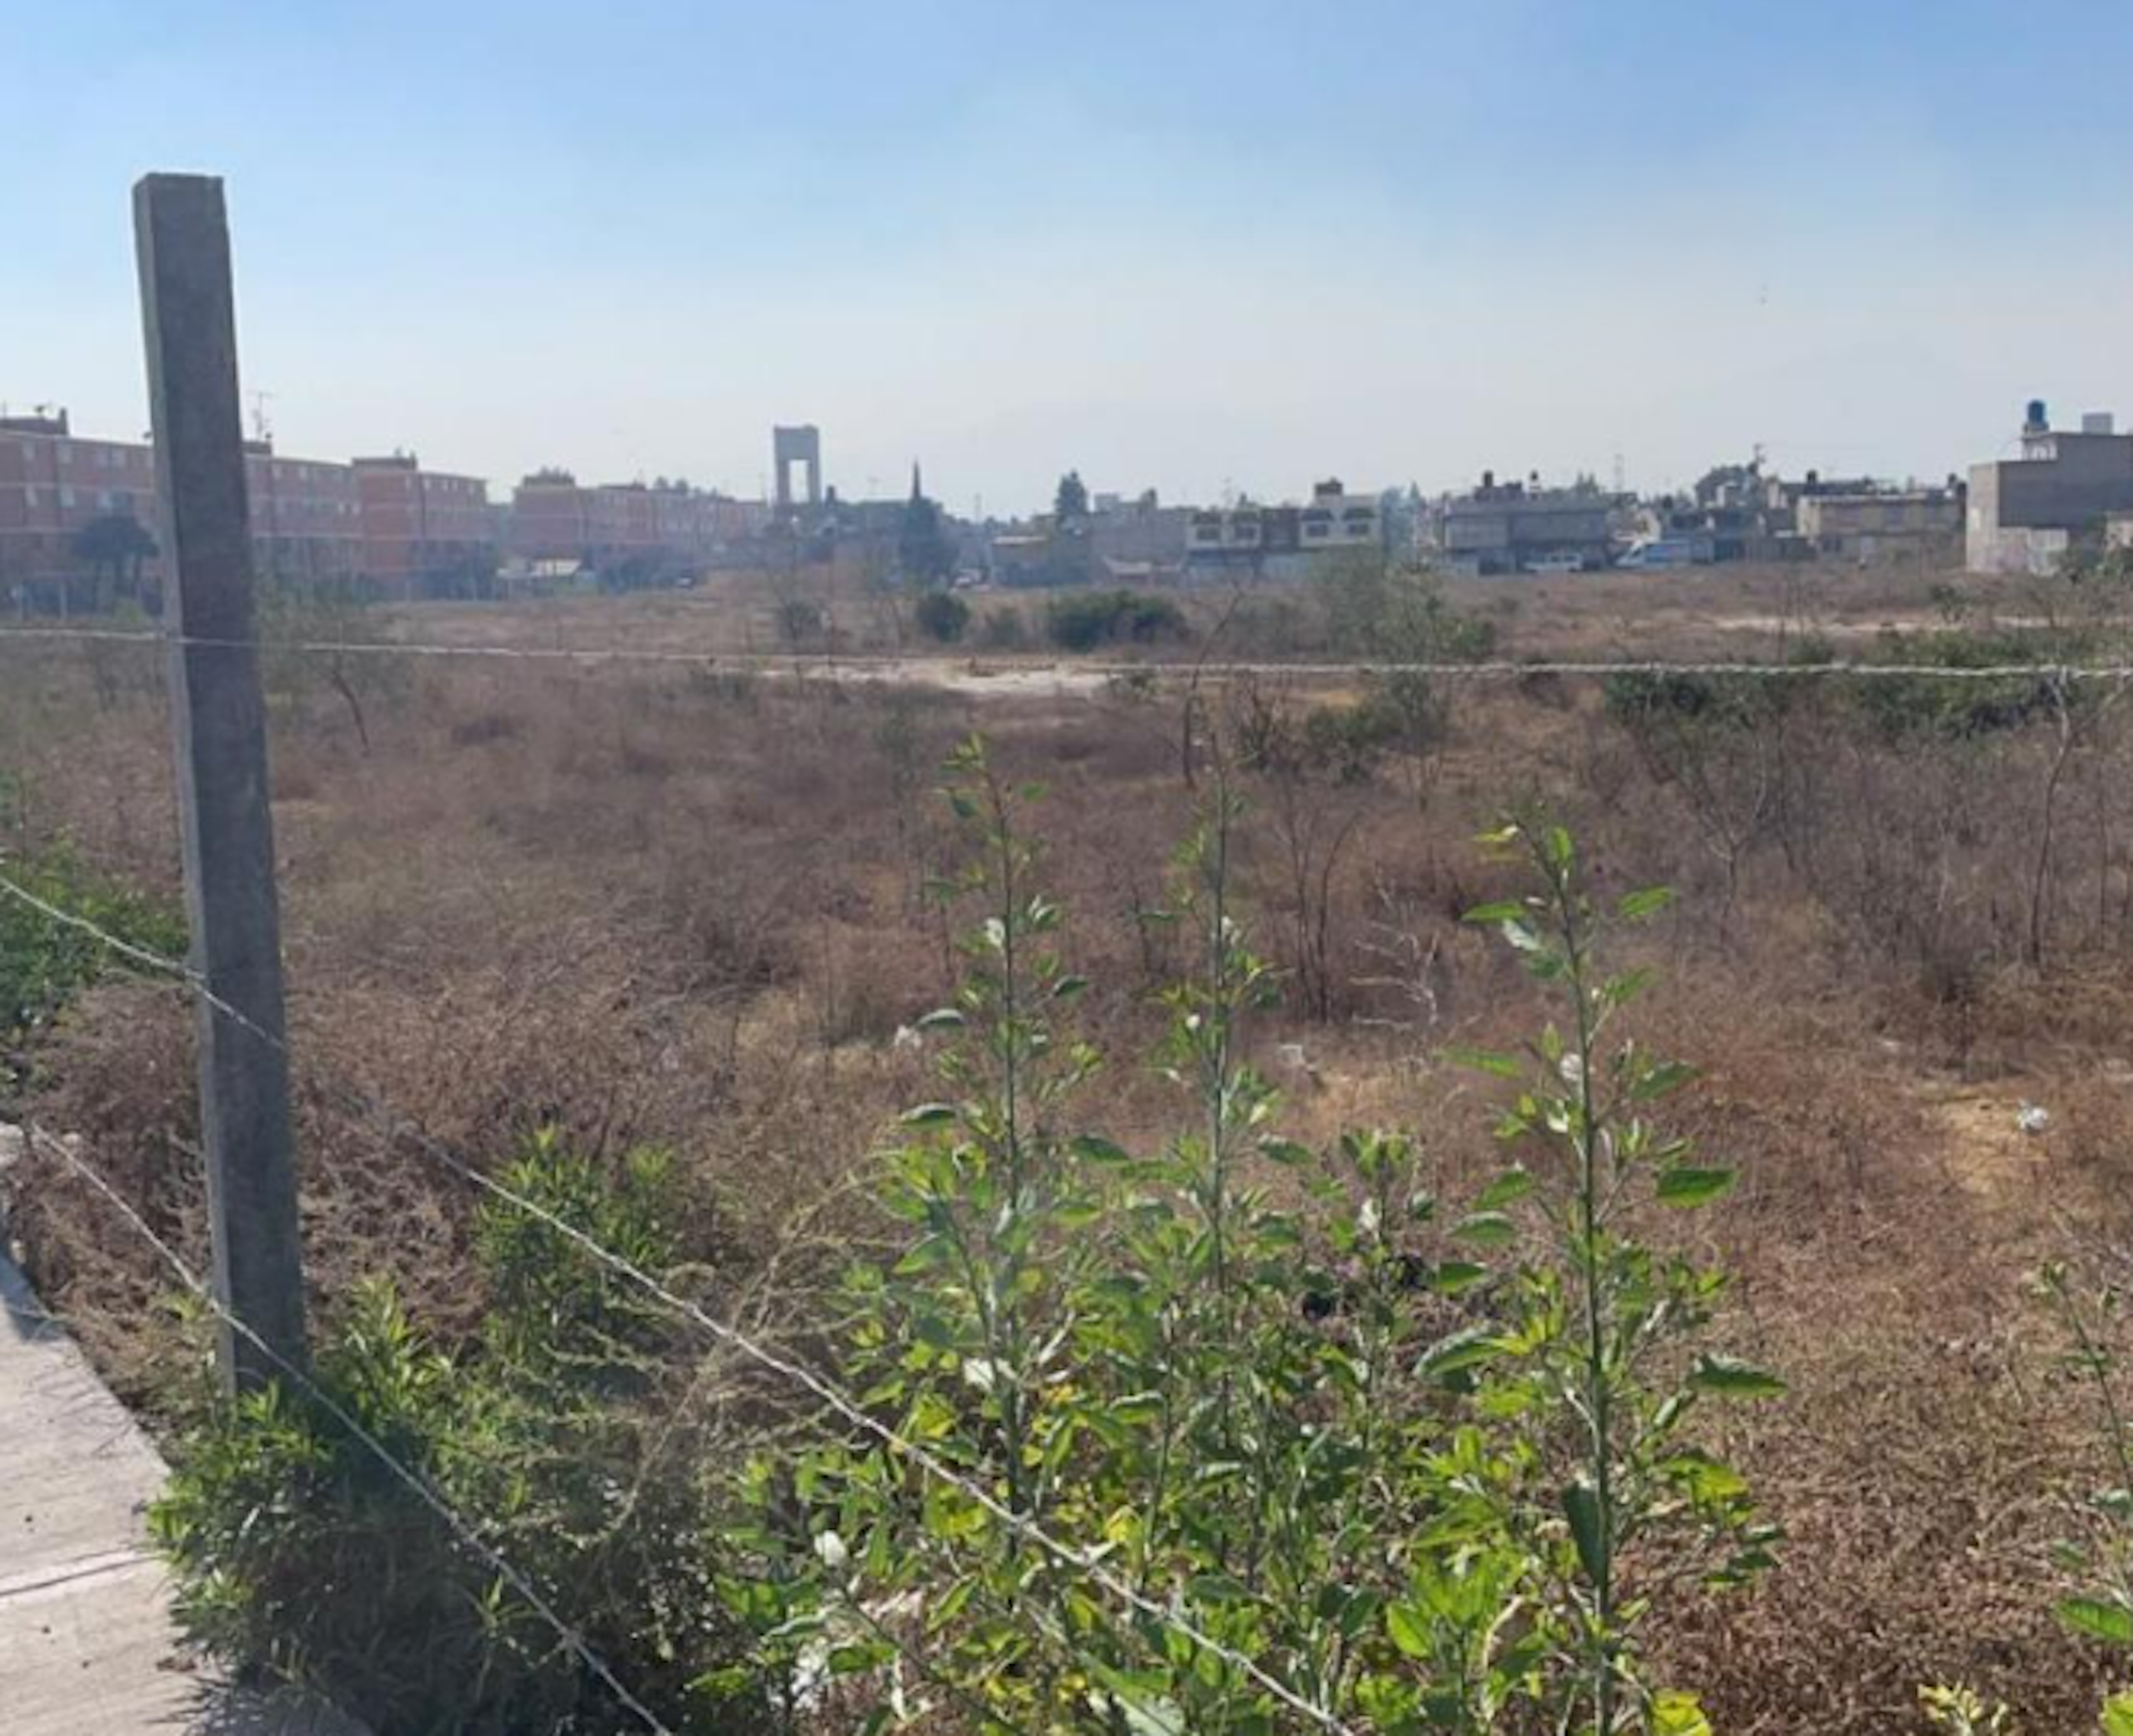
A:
[(1085, 1562), (460, 1528), (831, 664)]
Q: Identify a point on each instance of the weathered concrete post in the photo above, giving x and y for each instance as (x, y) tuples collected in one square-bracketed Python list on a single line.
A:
[(218, 724)]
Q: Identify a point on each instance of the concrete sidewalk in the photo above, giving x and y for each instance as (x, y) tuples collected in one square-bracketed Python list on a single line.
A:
[(86, 1644)]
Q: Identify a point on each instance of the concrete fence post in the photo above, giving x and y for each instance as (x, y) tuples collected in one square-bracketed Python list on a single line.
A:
[(218, 726)]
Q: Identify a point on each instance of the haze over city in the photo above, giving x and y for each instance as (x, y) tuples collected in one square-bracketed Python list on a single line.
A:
[(1205, 248)]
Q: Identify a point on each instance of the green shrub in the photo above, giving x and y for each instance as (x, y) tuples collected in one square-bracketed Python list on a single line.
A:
[(799, 622), (942, 616), (1308, 1422), (44, 963), (1085, 620), (1003, 629), (1897, 706), (299, 1554)]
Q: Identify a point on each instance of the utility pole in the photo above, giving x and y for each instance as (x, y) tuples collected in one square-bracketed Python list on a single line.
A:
[(219, 724)]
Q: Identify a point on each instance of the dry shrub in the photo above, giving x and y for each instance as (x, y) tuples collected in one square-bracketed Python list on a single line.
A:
[(682, 907)]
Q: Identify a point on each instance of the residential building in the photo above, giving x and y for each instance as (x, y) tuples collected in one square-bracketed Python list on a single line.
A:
[(425, 534), (1873, 523), (52, 485), (2027, 513), (631, 531), (1336, 519), (1140, 533), (549, 522), (307, 519), (1283, 542), (1510, 527), (1047, 550)]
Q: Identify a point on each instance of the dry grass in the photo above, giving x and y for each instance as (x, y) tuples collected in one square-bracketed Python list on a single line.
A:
[(651, 904)]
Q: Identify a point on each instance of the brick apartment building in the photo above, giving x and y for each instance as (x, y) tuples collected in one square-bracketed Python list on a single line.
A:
[(384, 523), (557, 522), (53, 486), (424, 533), (307, 519)]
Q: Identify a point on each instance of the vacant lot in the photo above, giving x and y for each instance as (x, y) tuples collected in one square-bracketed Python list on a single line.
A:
[(654, 903)]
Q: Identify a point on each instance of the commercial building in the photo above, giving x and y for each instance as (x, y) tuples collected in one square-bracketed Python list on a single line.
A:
[(2027, 514), (1511, 527)]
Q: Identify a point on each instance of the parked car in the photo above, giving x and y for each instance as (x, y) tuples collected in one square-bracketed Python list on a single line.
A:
[(1659, 552)]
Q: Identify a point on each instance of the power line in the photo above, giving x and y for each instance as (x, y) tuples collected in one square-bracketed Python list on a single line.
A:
[(1080, 1561)]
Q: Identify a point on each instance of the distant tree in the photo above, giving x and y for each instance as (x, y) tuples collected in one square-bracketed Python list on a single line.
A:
[(113, 548), (942, 616), (925, 551), (1072, 500)]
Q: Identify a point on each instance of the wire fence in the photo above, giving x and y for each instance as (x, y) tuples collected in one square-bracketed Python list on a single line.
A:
[(786, 1368), (795, 1373), (1097, 669)]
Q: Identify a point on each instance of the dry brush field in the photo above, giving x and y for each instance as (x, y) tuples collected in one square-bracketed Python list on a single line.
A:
[(656, 904)]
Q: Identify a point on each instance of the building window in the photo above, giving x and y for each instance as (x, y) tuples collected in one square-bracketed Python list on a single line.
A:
[(66, 498)]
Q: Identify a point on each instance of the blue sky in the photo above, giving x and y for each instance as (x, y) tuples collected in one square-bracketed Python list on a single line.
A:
[(1196, 246)]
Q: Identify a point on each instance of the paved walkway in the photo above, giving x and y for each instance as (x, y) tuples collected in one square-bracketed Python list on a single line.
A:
[(86, 1644)]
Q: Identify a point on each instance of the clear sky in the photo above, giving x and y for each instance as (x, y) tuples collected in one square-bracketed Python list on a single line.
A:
[(1194, 244)]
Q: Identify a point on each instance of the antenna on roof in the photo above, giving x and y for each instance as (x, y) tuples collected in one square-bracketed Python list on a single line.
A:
[(262, 430)]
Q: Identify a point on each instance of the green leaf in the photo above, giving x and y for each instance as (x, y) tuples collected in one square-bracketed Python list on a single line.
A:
[(1485, 1060), (1580, 1504), (930, 1115), (1639, 905), (1408, 1628), (1730, 1378), (1454, 1275), (2097, 1618), (1468, 1348), (1146, 1712), (1689, 1184), (1513, 1186), (1486, 1230), (1509, 911), (1675, 1713), (1093, 1148), (1284, 1151), (1658, 1081), (2118, 1715), (1217, 1587)]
